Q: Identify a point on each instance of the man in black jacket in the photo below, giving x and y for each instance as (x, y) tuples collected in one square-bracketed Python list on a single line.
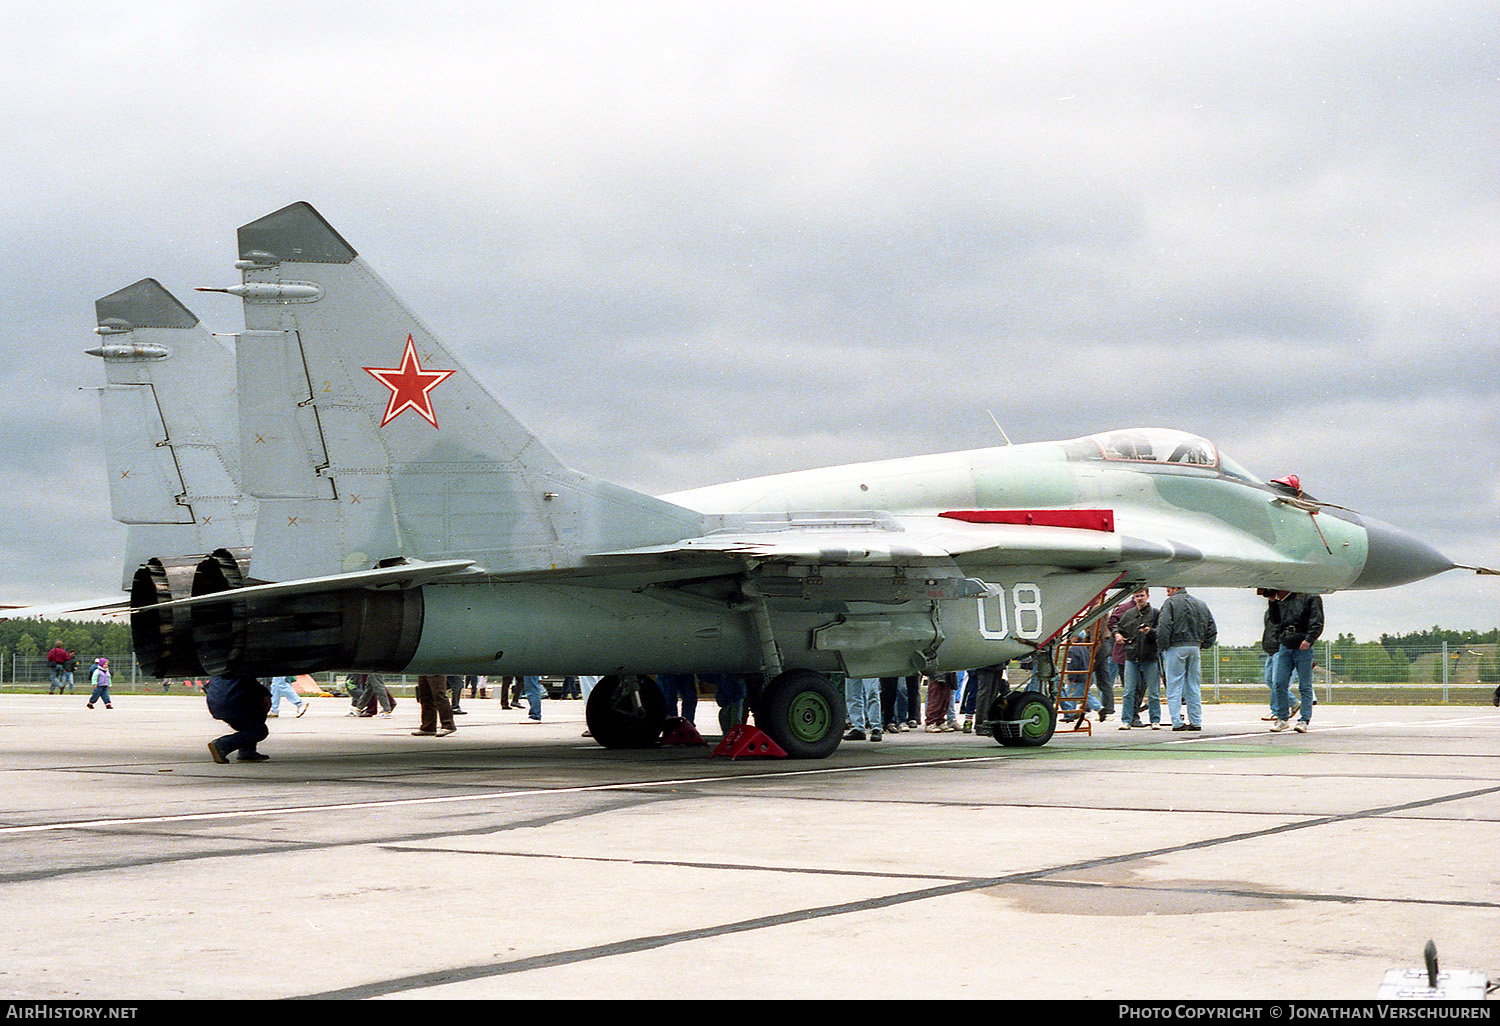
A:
[(1136, 631), (1184, 628), (1269, 643), (1299, 623)]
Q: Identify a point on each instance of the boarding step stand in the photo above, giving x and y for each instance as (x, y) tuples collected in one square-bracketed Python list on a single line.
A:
[(1067, 678)]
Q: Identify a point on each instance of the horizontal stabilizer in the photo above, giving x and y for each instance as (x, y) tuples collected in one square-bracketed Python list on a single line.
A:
[(113, 604), (406, 575)]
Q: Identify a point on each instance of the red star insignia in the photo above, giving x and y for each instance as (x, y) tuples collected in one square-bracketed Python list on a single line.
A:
[(410, 386)]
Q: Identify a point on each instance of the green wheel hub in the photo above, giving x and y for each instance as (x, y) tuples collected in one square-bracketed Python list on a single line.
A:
[(809, 717), (803, 713), (1035, 714)]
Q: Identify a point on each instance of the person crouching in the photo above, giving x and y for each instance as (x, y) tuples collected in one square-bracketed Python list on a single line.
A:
[(243, 703)]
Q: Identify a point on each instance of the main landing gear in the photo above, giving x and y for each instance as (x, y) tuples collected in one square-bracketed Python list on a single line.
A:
[(803, 713), (800, 710), (626, 712)]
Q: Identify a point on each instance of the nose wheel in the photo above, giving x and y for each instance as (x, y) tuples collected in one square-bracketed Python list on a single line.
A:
[(1023, 719)]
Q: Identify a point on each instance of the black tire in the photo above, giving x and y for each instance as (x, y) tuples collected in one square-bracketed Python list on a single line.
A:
[(803, 713), (1027, 720), (626, 712)]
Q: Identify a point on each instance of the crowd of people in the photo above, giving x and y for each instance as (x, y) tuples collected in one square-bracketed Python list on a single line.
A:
[(63, 664), (1154, 646), (1151, 653), (1148, 651), (1145, 650), (953, 702)]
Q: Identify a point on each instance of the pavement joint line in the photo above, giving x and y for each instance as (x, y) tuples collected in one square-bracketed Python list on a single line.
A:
[(441, 977), (635, 785), (737, 867), (293, 810)]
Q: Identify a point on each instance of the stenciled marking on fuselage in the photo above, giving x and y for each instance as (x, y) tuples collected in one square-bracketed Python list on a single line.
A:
[(1027, 616)]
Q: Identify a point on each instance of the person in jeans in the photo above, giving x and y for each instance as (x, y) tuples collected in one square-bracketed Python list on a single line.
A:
[(1299, 624), (243, 703), (282, 687), (101, 684), (1135, 633), (1184, 628)]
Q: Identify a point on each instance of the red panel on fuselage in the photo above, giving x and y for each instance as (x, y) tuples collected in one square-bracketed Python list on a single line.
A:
[(1085, 519)]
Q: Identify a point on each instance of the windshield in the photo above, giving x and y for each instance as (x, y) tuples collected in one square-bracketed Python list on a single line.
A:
[(1156, 446)]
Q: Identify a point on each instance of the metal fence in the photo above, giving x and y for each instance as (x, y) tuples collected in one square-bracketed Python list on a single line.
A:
[(1344, 664), (34, 673), (1360, 672)]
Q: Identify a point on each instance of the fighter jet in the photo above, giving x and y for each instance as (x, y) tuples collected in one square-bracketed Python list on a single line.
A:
[(406, 522)]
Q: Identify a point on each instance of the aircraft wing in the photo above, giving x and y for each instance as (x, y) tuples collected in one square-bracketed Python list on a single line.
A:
[(403, 575), (991, 545), (941, 556), (883, 558), (112, 604)]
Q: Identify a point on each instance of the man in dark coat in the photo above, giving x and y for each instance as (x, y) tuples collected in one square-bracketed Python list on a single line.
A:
[(1136, 632), (1299, 624)]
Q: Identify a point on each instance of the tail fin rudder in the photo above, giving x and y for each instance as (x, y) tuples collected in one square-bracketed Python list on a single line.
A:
[(366, 439), (170, 429)]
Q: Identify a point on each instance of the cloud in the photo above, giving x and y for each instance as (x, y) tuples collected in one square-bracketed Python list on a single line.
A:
[(842, 231)]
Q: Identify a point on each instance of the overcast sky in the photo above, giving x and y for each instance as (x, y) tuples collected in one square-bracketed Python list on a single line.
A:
[(688, 242)]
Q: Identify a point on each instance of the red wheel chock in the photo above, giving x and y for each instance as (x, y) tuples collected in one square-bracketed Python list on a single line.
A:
[(747, 742), (680, 731)]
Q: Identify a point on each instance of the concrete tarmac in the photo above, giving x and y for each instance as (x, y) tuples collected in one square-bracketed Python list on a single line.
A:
[(519, 860)]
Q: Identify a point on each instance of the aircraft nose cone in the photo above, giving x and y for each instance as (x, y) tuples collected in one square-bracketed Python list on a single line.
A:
[(1395, 557)]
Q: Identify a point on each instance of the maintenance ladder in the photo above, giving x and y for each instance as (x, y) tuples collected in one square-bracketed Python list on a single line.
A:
[(1079, 680)]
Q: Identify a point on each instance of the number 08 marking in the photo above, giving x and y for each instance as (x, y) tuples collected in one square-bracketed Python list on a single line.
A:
[(1025, 601)]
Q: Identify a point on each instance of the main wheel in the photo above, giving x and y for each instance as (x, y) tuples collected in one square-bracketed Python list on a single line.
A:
[(1027, 720), (626, 712), (803, 713)]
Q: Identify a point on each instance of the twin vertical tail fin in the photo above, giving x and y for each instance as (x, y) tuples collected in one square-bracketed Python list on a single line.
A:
[(171, 431), (366, 440), (366, 447), (171, 440)]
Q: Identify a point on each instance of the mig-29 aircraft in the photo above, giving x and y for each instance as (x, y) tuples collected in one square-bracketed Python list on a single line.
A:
[(404, 521)]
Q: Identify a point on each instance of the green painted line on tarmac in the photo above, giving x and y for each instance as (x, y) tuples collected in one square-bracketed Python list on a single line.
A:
[(1154, 752)]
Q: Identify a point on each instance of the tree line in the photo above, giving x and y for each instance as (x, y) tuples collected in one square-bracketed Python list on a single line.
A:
[(1428, 640), (1394, 659), (87, 638)]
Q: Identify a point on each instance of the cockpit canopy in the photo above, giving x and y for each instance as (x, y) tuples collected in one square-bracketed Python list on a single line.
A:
[(1159, 446)]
